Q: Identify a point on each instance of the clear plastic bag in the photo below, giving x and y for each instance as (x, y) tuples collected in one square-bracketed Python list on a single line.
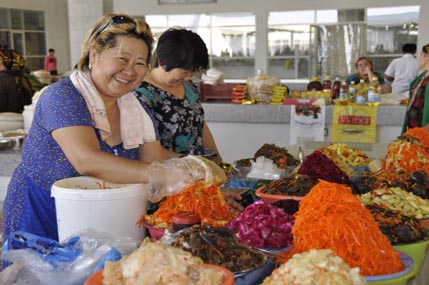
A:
[(260, 87), (31, 265)]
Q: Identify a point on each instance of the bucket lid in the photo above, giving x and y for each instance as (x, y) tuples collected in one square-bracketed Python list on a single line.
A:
[(90, 188)]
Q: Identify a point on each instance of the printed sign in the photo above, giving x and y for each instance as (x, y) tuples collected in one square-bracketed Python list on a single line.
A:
[(307, 123), (354, 123)]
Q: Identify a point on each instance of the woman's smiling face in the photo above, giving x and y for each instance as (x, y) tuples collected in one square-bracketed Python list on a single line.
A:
[(119, 70)]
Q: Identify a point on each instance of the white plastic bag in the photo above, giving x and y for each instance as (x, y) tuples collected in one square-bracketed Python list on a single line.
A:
[(29, 268)]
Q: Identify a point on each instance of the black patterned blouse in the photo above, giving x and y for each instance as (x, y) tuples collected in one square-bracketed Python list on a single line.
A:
[(180, 122)]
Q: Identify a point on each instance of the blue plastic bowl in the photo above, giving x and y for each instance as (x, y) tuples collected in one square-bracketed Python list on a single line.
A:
[(398, 278), (257, 275)]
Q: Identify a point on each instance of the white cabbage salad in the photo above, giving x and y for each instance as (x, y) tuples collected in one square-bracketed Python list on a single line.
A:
[(157, 263), (315, 267)]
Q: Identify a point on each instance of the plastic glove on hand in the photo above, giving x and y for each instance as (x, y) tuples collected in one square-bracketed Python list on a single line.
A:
[(169, 177)]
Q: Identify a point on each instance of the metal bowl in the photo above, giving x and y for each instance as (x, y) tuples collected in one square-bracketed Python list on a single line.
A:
[(5, 143)]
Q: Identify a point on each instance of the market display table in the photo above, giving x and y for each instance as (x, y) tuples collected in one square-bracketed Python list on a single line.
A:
[(239, 130)]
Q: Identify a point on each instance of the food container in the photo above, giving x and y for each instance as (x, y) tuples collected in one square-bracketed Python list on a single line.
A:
[(155, 233), (86, 202), (399, 278), (5, 143), (228, 277), (424, 223), (417, 251), (270, 198), (184, 219), (376, 165), (256, 275)]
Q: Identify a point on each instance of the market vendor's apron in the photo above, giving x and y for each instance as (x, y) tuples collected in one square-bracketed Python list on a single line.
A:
[(38, 213)]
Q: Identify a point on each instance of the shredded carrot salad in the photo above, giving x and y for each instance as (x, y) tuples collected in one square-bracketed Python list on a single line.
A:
[(330, 216), (207, 201), (420, 133), (409, 156)]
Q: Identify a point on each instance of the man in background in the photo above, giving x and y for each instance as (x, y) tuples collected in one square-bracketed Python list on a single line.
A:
[(51, 62), (403, 70)]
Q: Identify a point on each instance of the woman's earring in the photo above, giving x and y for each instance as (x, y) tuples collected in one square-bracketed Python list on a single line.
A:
[(89, 66)]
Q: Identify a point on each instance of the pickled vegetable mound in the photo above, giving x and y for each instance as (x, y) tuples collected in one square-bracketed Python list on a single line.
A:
[(318, 166), (262, 225), (409, 152), (299, 185), (219, 246), (350, 155), (281, 157), (400, 229), (315, 267), (415, 182)]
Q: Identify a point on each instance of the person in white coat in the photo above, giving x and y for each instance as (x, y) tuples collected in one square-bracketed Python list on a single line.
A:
[(402, 71)]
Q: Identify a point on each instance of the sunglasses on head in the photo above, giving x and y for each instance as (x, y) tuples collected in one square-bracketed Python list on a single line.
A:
[(116, 20)]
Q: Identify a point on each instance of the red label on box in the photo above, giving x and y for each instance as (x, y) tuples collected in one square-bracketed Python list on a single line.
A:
[(354, 120), (299, 101)]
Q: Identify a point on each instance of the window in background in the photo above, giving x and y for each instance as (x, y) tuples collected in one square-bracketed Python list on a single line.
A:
[(232, 45), (34, 20), (289, 44), (303, 44), (230, 38), (388, 30), (4, 19), (24, 31), (16, 19)]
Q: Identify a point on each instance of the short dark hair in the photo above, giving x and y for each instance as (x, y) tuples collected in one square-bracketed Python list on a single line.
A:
[(181, 48), (409, 48), (51, 49)]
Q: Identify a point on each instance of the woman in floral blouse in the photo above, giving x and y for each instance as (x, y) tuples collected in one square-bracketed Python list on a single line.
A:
[(174, 99)]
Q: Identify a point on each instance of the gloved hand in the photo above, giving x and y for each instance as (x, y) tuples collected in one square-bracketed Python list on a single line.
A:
[(172, 176)]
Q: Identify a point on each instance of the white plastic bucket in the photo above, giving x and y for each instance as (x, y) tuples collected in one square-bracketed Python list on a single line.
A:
[(82, 204)]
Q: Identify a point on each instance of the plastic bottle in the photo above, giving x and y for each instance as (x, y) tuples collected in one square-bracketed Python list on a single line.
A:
[(344, 93), (352, 92), (336, 86), (315, 84), (362, 92), (374, 90), (327, 83)]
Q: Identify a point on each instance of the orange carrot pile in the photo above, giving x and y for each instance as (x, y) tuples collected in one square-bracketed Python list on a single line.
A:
[(420, 133), (207, 201), (330, 216)]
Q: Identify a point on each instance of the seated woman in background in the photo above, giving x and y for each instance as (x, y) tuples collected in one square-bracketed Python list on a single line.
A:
[(365, 71), (418, 107), (173, 98), (16, 89)]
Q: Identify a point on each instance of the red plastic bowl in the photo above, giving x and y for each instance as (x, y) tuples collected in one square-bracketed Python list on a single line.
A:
[(228, 277), (270, 198), (155, 233), (424, 223)]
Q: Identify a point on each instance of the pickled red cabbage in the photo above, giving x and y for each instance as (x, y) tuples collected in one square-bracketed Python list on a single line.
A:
[(263, 225)]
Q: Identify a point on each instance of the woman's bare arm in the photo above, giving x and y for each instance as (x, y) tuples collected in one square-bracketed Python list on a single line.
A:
[(81, 147)]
